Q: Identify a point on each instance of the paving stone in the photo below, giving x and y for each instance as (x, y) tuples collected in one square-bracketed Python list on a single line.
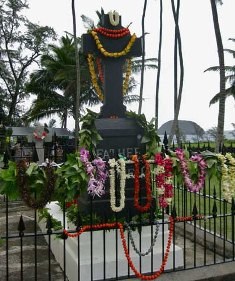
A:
[(27, 263)]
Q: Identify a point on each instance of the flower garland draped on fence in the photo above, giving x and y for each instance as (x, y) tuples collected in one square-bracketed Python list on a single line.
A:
[(164, 180), (192, 186), (227, 163)]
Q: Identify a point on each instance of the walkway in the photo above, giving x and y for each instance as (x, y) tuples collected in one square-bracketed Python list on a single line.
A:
[(16, 209)]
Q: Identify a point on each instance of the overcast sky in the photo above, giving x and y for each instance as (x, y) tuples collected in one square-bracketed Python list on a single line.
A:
[(198, 43)]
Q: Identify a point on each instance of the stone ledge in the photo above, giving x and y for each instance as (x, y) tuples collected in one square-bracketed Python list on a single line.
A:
[(217, 272)]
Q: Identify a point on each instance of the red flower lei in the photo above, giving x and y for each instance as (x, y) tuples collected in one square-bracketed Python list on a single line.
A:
[(112, 33), (39, 137), (125, 247), (164, 179), (100, 70), (137, 185)]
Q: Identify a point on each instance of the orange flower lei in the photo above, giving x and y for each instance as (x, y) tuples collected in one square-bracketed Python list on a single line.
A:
[(125, 247), (100, 70), (137, 184), (164, 261)]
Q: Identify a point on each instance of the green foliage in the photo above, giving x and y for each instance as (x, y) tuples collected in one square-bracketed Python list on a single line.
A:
[(36, 178), (150, 137), (1, 242), (43, 214), (213, 167), (73, 212), (71, 179), (21, 43), (8, 185), (88, 135)]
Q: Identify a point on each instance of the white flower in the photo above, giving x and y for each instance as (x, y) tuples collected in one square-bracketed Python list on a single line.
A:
[(121, 170)]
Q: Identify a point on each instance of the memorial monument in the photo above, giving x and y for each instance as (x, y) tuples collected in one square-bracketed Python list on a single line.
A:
[(101, 253), (112, 46)]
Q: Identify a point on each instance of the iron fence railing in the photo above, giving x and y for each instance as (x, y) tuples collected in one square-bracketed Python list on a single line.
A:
[(200, 225)]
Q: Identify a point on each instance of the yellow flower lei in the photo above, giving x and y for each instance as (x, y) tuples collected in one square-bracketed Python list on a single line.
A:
[(127, 77), (104, 52), (94, 79), (228, 175)]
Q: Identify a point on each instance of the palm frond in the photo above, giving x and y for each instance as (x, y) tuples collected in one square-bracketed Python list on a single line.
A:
[(87, 22), (215, 99), (130, 99), (232, 52), (228, 92)]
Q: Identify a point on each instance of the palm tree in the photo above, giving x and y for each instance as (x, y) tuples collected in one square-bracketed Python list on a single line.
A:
[(230, 77), (219, 42), (55, 83), (77, 63)]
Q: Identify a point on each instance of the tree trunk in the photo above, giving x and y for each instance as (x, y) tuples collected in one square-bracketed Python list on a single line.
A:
[(177, 94), (77, 102), (220, 49), (143, 56), (159, 68)]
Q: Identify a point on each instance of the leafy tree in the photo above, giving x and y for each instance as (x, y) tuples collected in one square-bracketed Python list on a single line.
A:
[(212, 133), (52, 123), (21, 43)]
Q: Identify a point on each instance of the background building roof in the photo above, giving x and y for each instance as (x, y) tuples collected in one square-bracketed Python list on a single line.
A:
[(26, 131), (186, 128)]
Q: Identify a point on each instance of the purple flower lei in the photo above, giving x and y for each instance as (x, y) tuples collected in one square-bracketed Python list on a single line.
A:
[(194, 187), (96, 172)]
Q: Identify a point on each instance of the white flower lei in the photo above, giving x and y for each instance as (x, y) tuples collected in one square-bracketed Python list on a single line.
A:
[(114, 18), (228, 175), (121, 170)]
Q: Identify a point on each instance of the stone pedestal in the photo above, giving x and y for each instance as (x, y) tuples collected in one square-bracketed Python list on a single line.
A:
[(40, 150), (95, 251), (120, 136)]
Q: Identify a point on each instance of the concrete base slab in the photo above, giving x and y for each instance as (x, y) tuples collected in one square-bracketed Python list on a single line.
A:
[(99, 255)]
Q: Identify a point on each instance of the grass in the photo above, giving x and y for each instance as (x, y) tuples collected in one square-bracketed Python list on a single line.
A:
[(209, 203)]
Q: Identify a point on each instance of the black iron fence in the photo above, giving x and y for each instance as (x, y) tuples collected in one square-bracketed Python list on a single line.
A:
[(198, 229), (203, 146)]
